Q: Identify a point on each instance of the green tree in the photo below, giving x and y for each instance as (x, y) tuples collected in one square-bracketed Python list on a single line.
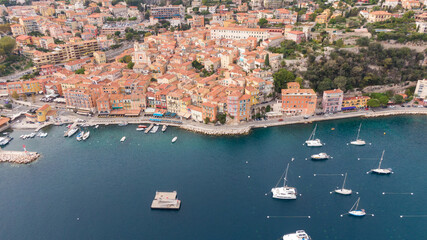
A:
[(262, 22), (207, 120), (117, 33), (340, 82), (197, 65), (363, 42), (130, 65), (281, 78), (80, 71), (222, 118), (129, 36), (339, 43), (267, 60), (268, 108), (398, 99), (373, 103)]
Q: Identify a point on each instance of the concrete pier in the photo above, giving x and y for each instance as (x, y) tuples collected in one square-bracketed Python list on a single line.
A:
[(20, 157), (166, 200)]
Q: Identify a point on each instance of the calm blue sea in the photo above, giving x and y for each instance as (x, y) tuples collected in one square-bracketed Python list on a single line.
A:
[(102, 189)]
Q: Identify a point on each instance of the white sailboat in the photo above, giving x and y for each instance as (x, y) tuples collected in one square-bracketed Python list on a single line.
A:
[(72, 132), (312, 141), (122, 139), (380, 170), (342, 190), (358, 142), (174, 139), (284, 192), (298, 235), (164, 128), (354, 211)]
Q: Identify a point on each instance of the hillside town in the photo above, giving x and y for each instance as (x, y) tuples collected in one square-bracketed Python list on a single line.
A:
[(207, 61)]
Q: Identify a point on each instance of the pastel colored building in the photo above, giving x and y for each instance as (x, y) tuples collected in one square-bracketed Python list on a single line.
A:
[(421, 89), (296, 36), (332, 100), (297, 101), (43, 112), (238, 106), (355, 102), (80, 100), (210, 111), (378, 16)]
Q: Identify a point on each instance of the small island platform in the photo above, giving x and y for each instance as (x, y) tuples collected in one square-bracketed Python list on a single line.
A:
[(20, 157), (166, 200)]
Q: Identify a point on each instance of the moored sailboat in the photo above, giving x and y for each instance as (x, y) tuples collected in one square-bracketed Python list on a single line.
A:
[(358, 141), (312, 141), (354, 211), (284, 192), (380, 170), (298, 235), (342, 190)]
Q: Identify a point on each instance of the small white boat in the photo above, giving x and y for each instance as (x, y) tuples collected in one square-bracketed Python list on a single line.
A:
[(22, 136), (122, 124), (174, 139), (5, 140), (342, 190), (86, 135), (354, 211), (154, 129), (358, 141), (380, 170), (43, 134), (32, 135), (96, 126), (298, 235), (312, 141), (284, 192), (164, 128), (72, 132), (140, 129), (80, 136), (123, 139), (320, 156)]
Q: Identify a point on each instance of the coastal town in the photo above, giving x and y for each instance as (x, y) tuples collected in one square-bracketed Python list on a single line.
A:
[(205, 62)]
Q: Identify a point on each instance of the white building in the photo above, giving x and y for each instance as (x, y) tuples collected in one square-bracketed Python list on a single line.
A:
[(421, 89), (239, 33)]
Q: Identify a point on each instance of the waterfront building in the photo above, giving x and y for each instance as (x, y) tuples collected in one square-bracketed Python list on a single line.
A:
[(27, 87), (238, 106), (332, 100), (80, 100), (355, 102), (4, 123), (421, 89), (210, 111), (297, 101), (43, 112)]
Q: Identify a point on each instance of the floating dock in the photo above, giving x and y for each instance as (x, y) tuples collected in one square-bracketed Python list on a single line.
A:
[(149, 128), (166, 200)]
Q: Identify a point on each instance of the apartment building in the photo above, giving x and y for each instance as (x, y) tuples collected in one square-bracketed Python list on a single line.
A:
[(239, 33), (332, 100), (17, 30), (30, 24), (168, 12), (67, 52), (421, 89), (80, 100), (355, 102), (378, 16), (297, 101)]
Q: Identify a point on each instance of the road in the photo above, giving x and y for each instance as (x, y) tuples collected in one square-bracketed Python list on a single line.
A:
[(16, 75), (111, 54)]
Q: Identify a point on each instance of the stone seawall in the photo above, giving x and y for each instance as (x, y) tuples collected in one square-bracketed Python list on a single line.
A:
[(19, 157)]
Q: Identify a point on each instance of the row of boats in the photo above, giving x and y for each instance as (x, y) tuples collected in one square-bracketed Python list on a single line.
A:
[(32, 135), (290, 193)]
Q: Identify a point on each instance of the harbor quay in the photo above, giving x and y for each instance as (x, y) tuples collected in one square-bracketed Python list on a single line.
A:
[(227, 129)]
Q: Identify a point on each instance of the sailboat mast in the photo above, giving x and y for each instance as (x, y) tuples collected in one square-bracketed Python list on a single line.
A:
[(382, 156), (344, 181), (357, 203), (286, 176), (314, 131), (358, 132)]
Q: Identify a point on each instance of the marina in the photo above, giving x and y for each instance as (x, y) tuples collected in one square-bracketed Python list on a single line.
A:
[(225, 172)]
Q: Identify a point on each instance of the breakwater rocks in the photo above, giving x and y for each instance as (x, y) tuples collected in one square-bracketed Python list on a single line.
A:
[(218, 130), (396, 112), (19, 157)]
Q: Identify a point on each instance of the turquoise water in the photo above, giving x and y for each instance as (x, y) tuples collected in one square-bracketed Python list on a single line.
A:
[(102, 189)]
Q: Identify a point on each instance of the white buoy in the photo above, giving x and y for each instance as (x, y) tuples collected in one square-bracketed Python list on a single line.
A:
[(373, 215), (314, 174), (401, 216), (412, 193), (249, 176), (383, 193), (78, 219), (358, 159), (266, 194), (330, 192), (246, 162), (309, 216), (268, 216), (299, 176), (341, 215)]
